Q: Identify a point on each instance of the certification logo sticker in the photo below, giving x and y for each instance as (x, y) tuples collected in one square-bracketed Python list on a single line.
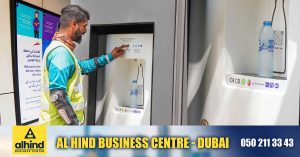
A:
[(249, 82), (243, 82)]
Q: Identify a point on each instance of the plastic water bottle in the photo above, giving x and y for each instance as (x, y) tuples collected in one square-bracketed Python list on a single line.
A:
[(266, 50), (133, 94)]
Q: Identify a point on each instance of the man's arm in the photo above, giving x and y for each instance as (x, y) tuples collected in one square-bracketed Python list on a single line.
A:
[(38, 23), (61, 67), (64, 109), (91, 65)]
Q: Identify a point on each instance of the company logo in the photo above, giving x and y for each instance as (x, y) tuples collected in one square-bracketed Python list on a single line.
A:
[(267, 84), (36, 44), (271, 85), (29, 140), (30, 134)]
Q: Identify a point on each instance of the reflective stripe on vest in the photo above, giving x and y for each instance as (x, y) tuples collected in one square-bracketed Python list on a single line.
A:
[(49, 114)]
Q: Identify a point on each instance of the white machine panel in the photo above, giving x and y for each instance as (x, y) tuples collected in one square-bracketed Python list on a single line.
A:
[(128, 74), (233, 98)]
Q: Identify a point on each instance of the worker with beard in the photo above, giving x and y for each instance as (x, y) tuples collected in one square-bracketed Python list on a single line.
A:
[(62, 101)]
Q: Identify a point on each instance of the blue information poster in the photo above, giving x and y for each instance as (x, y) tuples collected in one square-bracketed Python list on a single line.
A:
[(35, 29)]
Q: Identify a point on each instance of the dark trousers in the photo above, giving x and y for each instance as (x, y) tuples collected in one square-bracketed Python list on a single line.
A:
[(36, 34)]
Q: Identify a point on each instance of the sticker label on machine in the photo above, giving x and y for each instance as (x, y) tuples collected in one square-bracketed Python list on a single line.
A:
[(128, 110), (251, 82)]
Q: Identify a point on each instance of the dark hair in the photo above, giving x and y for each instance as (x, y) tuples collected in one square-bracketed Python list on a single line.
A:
[(36, 12), (73, 12)]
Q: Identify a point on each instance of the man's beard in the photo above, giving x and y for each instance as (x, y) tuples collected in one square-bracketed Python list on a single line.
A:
[(77, 36)]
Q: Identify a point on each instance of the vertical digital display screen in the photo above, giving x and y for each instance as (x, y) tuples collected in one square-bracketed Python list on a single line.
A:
[(35, 28)]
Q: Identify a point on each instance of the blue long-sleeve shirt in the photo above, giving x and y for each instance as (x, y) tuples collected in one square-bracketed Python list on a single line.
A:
[(61, 67)]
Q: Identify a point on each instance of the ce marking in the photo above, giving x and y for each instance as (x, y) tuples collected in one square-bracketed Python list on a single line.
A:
[(234, 80)]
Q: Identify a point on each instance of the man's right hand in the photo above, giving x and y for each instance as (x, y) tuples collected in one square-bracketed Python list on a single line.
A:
[(118, 51)]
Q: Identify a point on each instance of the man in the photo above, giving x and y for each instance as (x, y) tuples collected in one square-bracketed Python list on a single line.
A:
[(62, 100), (36, 24)]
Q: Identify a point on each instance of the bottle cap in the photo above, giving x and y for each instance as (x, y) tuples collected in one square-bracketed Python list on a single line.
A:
[(267, 23)]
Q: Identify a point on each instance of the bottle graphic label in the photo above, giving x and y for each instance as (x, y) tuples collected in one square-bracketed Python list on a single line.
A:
[(266, 46)]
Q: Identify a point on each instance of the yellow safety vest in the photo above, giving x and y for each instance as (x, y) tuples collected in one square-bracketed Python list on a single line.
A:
[(49, 114)]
